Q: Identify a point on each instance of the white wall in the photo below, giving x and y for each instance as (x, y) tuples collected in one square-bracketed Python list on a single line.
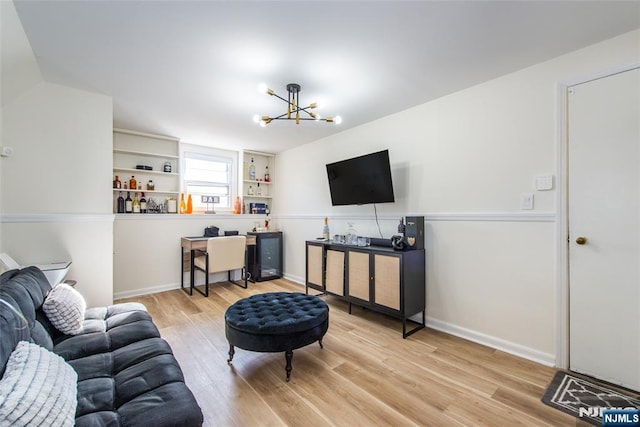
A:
[(462, 161), (55, 198), (54, 204), (147, 248)]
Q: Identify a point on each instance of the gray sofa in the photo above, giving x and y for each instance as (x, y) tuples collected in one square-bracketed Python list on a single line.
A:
[(126, 374)]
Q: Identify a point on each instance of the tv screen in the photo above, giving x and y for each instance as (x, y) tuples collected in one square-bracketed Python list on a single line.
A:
[(361, 180)]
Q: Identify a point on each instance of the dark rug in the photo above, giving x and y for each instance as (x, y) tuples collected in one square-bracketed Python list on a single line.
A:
[(585, 398)]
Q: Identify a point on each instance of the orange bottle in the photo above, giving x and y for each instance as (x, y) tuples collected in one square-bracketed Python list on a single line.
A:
[(189, 204), (237, 206)]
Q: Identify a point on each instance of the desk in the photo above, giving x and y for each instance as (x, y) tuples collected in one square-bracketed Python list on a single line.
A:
[(191, 244)]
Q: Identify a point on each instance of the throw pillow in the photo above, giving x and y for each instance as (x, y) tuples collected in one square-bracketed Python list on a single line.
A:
[(64, 307), (38, 388)]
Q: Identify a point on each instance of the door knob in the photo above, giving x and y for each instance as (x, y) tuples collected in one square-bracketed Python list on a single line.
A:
[(581, 240)]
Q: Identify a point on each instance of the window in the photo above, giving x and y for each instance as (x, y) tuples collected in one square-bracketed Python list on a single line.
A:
[(209, 172)]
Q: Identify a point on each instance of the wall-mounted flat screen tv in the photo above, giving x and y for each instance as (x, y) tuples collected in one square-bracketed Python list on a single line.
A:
[(361, 180)]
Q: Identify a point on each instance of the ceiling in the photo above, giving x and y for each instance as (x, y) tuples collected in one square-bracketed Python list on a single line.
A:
[(191, 69)]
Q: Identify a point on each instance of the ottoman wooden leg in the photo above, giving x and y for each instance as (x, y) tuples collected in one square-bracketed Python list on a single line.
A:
[(288, 356), (320, 342), (231, 353)]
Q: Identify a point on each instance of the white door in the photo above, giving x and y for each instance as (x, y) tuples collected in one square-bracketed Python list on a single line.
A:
[(604, 228)]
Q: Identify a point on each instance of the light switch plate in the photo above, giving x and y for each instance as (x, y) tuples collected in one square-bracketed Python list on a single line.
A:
[(544, 182), (526, 201)]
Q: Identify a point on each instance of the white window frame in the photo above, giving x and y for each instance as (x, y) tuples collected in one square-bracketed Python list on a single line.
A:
[(213, 154)]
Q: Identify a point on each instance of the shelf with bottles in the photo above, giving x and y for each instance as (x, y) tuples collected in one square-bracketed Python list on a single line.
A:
[(258, 167), (144, 202), (147, 157), (142, 182), (144, 171), (256, 190)]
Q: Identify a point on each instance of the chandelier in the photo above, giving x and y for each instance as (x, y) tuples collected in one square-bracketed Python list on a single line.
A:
[(294, 110)]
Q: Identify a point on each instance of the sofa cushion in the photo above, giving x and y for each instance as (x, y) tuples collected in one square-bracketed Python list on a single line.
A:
[(37, 388), (13, 329), (107, 329), (25, 290), (65, 307)]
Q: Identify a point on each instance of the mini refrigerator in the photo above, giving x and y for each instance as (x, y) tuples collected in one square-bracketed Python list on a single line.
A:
[(264, 261)]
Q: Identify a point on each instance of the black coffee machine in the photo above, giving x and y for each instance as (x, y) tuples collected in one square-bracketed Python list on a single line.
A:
[(410, 234)]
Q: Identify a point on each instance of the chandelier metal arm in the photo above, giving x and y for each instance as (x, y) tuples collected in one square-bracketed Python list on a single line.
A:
[(293, 108)]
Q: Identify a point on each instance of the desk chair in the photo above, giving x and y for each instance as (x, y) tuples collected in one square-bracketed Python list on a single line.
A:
[(222, 254)]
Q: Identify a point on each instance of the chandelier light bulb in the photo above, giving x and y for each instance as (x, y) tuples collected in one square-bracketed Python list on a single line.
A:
[(256, 118), (338, 120), (263, 124), (263, 88)]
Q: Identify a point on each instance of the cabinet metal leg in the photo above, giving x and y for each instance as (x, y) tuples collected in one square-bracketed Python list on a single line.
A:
[(414, 330)]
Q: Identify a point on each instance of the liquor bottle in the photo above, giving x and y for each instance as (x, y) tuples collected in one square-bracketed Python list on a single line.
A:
[(267, 211), (132, 183), (117, 183), (183, 205), (128, 204), (120, 203), (143, 204), (325, 229), (189, 204), (150, 185), (136, 204), (250, 191), (259, 190), (267, 177), (237, 206), (252, 171)]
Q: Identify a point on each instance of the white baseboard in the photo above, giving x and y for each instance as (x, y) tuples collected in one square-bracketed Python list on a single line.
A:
[(477, 337), (493, 342), (146, 291), (296, 279)]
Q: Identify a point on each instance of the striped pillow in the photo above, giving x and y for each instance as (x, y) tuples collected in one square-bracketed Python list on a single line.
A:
[(64, 307), (38, 388)]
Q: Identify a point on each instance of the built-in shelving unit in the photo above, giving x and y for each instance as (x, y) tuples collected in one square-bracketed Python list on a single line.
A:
[(263, 163), (155, 153)]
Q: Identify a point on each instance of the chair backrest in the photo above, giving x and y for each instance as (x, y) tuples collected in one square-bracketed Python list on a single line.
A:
[(226, 253)]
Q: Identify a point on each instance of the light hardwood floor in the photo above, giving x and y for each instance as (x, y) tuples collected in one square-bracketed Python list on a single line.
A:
[(366, 375)]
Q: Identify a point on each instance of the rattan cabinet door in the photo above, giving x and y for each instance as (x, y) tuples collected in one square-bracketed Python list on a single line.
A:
[(386, 281), (358, 275), (314, 265), (335, 272)]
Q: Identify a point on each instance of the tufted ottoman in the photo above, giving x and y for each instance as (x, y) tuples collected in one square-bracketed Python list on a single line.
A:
[(276, 321)]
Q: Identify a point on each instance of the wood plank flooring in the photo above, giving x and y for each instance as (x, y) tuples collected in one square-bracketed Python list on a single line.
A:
[(366, 375)]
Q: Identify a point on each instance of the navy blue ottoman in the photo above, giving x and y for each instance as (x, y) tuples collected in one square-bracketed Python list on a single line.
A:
[(274, 322)]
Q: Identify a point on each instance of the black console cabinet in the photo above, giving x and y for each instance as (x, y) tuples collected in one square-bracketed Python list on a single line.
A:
[(265, 259), (375, 277)]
